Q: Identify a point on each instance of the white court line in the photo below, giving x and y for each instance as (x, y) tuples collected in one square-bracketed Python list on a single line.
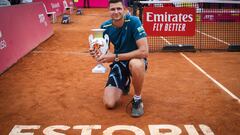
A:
[(220, 40), (211, 78), (166, 40), (206, 74), (205, 34)]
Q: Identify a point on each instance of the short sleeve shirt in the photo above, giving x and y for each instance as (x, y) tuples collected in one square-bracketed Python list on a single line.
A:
[(124, 38)]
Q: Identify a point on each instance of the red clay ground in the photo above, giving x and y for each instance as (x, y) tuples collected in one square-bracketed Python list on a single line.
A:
[(53, 85)]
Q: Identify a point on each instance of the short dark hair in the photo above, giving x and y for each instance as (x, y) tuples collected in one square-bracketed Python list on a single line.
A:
[(115, 1)]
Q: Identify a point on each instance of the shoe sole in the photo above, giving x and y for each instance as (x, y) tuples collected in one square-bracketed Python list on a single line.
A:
[(137, 115)]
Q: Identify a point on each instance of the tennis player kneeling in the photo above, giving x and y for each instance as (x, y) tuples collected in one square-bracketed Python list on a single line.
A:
[(129, 59)]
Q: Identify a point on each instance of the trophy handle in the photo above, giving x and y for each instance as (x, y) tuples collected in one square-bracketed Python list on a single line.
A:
[(105, 42), (90, 39), (106, 37)]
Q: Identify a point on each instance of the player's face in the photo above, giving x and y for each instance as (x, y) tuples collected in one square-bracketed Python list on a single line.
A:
[(116, 11)]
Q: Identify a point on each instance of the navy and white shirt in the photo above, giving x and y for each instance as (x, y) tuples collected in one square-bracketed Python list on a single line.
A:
[(124, 38)]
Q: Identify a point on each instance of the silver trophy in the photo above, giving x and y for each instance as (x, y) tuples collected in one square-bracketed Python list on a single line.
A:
[(100, 45)]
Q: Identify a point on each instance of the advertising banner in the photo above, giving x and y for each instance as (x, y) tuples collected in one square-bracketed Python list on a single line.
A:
[(92, 3), (169, 21), (226, 16), (53, 6), (20, 33)]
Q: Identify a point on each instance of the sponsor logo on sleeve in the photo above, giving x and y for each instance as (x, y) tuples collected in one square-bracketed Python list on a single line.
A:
[(141, 30)]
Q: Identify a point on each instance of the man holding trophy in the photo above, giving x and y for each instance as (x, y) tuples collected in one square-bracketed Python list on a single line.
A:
[(129, 61)]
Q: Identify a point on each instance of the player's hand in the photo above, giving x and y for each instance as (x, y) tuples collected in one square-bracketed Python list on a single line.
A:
[(94, 53), (106, 58)]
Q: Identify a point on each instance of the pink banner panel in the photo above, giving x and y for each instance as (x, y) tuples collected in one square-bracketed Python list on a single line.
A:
[(53, 5), (80, 3), (70, 3), (20, 33), (98, 3), (92, 3)]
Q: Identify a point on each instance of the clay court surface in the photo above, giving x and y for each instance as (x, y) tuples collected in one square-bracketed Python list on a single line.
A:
[(53, 85)]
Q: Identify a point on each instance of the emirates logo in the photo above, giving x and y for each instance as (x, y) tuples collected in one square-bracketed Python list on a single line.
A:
[(167, 17)]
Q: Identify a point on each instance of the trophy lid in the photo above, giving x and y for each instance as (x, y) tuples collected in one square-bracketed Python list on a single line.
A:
[(98, 33)]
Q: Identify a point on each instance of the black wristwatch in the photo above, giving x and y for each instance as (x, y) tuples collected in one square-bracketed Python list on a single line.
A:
[(116, 58)]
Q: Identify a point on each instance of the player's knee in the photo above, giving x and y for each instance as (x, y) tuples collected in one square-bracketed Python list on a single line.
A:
[(111, 97), (136, 65), (109, 104)]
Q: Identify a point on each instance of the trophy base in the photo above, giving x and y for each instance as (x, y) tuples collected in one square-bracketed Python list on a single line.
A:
[(99, 69)]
